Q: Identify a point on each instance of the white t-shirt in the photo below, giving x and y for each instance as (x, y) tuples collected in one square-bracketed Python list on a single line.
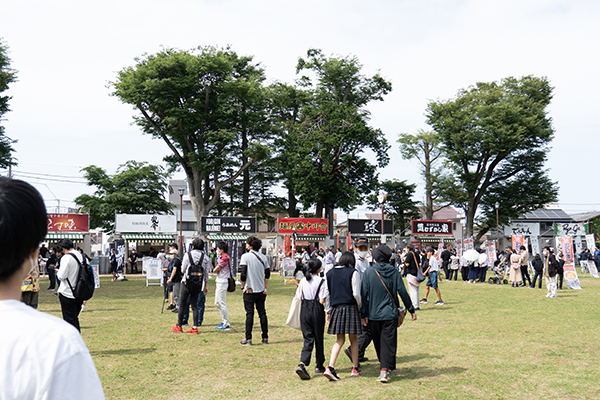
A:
[(255, 271), (309, 288), (43, 357), (68, 269)]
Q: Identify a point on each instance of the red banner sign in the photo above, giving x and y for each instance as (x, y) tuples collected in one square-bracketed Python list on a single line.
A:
[(303, 225), (68, 222)]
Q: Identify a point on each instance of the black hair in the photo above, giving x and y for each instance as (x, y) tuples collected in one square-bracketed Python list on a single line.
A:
[(430, 250), (66, 244), (347, 259), (197, 244), (410, 247), (537, 257), (173, 245), (223, 246), (314, 265), (523, 248), (254, 242), (23, 224)]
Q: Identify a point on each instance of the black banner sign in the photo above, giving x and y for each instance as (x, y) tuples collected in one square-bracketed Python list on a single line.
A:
[(431, 228), (370, 226), (228, 224)]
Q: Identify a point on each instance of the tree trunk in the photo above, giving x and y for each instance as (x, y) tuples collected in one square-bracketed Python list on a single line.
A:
[(330, 222), (245, 176), (428, 184), (320, 206), (470, 215), (292, 203)]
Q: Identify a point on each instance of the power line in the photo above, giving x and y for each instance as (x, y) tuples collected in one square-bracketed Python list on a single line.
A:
[(50, 175), (50, 179)]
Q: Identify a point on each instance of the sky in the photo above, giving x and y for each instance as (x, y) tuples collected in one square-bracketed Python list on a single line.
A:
[(67, 53)]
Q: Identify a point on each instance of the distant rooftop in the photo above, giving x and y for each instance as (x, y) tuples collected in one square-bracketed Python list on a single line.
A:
[(544, 214), (586, 216), (445, 214)]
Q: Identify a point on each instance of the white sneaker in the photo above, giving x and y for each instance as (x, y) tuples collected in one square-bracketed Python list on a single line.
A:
[(82, 307)]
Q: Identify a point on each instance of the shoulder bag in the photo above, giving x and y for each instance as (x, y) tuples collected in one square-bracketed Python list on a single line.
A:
[(420, 276), (230, 280), (402, 312), (293, 319)]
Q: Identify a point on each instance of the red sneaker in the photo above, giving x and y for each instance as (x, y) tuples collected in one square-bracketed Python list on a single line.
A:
[(177, 329), (193, 331)]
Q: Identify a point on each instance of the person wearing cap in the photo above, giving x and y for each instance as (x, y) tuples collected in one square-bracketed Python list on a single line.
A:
[(380, 288), (174, 279)]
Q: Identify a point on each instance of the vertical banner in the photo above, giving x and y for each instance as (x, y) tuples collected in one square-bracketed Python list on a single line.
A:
[(590, 241), (96, 272), (440, 249), (566, 248), (469, 243), (593, 270), (459, 248), (490, 249), (517, 242), (535, 245), (578, 250)]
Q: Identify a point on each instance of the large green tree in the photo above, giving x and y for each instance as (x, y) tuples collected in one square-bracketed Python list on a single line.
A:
[(208, 106), (136, 188), (7, 76), (329, 166), (425, 147), (495, 137), (399, 205)]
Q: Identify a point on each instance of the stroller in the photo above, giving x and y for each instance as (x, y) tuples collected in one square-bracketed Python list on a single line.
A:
[(499, 274)]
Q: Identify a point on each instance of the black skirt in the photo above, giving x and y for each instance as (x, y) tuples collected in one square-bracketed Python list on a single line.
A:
[(345, 320)]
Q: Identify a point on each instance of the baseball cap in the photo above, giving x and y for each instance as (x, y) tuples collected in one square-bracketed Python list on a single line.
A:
[(361, 241)]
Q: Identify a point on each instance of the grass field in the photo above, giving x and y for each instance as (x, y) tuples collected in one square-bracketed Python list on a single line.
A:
[(487, 342)]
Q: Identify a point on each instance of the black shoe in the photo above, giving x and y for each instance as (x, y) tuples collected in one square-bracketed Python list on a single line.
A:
[(171, 306), (348, 352), (265, 341), (174, 309), (302, 372), (246, 342), (319, 370), (330, 374), (362, 359)]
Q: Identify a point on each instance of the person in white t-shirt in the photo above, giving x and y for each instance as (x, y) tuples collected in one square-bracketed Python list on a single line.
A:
[(43, 357), (67, 275)]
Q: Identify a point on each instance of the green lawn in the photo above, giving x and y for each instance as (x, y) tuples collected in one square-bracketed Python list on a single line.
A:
[(487, 342)]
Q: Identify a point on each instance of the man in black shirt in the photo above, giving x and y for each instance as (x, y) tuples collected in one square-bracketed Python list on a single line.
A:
[(445, 256), (133, 261)]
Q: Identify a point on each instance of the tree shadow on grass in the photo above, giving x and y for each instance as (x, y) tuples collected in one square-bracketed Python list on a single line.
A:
[(416, 357), (121, 352)]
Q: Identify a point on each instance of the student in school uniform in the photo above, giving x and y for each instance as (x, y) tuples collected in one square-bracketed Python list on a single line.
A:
[(313, 293)]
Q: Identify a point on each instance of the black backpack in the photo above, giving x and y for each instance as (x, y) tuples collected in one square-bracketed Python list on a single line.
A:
[(85, 285), (195, 274)]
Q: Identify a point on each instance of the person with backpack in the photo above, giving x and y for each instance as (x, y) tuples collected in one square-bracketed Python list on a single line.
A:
[(195, 269), (68, 274)]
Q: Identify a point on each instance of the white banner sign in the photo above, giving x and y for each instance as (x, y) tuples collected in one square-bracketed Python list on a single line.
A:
[(590, 241), (593, 270), (569, 229), (535, 245), (522, 229), (145, 223)]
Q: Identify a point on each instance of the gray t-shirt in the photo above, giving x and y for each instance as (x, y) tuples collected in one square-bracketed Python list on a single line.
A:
[(255, 271)]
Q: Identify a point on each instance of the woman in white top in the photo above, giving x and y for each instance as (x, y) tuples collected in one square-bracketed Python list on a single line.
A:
[(312, 290), (223, 271)]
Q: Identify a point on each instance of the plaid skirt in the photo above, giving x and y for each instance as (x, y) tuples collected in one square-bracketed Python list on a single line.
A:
[(345, 320)]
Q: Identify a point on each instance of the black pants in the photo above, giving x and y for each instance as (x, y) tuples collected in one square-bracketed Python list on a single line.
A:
[(525, 274), (482, 274), (364, 340), (452, 273), (538, 274), (560, 279), (52, 277), (257, 300), (385, 340), (445, 268), (70, 310), (194, 303), (465, 273), (312, 323)]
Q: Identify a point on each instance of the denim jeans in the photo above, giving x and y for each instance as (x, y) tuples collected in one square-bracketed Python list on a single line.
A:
[(200, 305)]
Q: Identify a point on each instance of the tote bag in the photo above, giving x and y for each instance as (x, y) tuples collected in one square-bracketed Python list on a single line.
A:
[(293, 319)]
